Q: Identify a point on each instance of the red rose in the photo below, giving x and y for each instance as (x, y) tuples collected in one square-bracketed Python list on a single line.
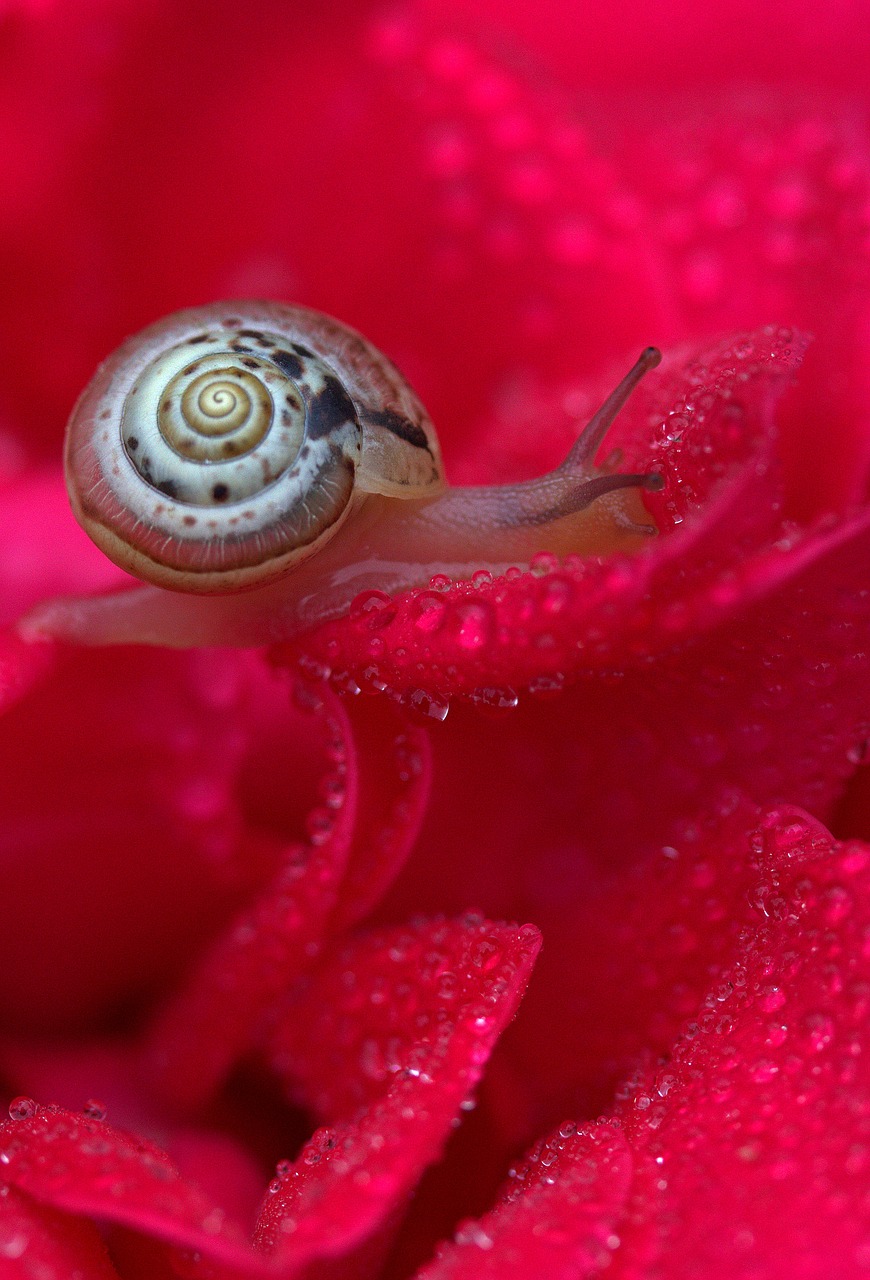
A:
[(228, 1052)]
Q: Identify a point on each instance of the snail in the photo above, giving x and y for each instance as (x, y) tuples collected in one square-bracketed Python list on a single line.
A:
[(260, 464)]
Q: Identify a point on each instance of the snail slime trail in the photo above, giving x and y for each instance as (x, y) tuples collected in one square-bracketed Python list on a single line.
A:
[(261, 464)]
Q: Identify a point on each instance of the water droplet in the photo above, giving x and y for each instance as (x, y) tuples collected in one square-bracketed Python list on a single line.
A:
[(447, 986), (836, 903), (22, 1108), (440, 582), (543, 562), (312, 669), (473, 624), (556, 595), (772, 999), (426, 706), (819, 1031), (473, 1233), (494, 700), (94, 1109), (319, 825), (370, 680), (343, 682), (486, 954), (14, 1245), (547, 686), (373, 609), (428, 611), (763, 1071), (333, 789)]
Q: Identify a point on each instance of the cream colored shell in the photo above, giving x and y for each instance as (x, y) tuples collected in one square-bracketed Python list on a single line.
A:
[(226, 443)]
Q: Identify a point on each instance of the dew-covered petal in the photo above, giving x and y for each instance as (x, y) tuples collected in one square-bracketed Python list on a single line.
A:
[(708, 429), (774, 703), (211, 1020), (761, 213), (393, 760), (746, 1146), (370, 800), (384, 1044), (220, 1153), (556, 1218), (759, 1120), (84, 1166)]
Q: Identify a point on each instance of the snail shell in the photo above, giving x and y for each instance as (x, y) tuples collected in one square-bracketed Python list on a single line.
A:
[(226, 443), (215, 452)]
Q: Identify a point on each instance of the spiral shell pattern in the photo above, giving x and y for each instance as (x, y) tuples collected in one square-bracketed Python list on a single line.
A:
[(223, 444), (209, 426), (216, 460)]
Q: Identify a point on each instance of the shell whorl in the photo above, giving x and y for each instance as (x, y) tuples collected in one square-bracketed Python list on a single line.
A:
[(225, 443), (208, 427)]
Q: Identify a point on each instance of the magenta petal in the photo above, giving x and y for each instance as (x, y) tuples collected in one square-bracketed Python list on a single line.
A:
[(760, 1120), (39, 1243), (22, 666), (211, 1021), (128, 842), (43, 552), (712, 438), (760, 213), (393, 760), (557, 1218), (385, 1043), (84, 1166)]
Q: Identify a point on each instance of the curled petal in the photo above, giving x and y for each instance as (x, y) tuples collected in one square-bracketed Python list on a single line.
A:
[(561, 619), (372, 795), (384, 1044), (211, 1021), (557, 1216), (85, 1167)]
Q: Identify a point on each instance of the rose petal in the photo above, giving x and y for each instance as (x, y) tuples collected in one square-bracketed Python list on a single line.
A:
[(759, 1120), (373, 797), (557, 1217), (22, 666), (43, 552), (395, 768), (38, 1243), (127, 842), (760, 215), (747, 1147), (86, 1167), (629, 765), (534, 627), (211, 1021), (388, 1040), (611, 48)]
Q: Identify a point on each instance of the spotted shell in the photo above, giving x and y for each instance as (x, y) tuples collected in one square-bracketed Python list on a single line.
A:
[(222, 445)]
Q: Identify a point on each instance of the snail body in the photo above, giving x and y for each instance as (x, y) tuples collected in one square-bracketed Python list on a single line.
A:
[(260, 464)]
